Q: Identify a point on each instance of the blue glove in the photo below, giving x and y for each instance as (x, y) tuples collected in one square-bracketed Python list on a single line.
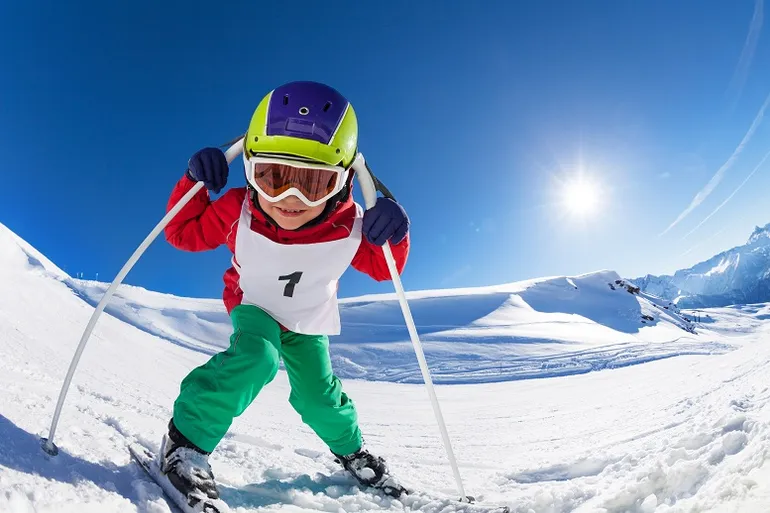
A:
[(209, 166), (385, 222)]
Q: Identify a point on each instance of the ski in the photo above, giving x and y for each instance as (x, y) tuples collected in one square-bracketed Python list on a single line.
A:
[(178, 502), (418, 500), (412, 499)]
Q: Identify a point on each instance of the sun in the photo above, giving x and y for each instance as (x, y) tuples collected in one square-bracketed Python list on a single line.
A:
[(581, 196)]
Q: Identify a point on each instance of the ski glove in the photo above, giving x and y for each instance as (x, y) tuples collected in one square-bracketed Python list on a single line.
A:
[(385, 222), (209, 166)]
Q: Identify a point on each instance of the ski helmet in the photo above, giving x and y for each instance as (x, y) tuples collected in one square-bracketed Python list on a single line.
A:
[(308, 120)]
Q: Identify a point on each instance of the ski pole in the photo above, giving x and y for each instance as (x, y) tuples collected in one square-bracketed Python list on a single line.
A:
[(369, 190), (47, 443)]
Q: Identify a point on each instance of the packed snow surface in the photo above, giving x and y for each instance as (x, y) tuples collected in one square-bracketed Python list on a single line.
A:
[(675, 416)]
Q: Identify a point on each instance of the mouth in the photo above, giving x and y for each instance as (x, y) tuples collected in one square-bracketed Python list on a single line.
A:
[(290, 212)]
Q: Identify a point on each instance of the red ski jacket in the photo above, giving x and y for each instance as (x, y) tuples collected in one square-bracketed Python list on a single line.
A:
[(204, 224)]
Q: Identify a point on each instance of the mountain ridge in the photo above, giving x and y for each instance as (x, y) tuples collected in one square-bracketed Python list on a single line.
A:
[(739, 275)]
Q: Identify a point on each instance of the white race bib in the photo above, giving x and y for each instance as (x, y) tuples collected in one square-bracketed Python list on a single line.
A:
[(295, 283)]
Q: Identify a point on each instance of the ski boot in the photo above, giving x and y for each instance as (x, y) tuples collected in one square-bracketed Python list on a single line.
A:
[(370, 470), (187, 468)]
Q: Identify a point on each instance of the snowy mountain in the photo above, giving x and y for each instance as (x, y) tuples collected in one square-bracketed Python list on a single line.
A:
[(740, 275), (677, 419)]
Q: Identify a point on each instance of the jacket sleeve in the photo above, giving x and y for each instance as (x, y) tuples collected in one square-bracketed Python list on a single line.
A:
[(370, 259), (202, 224)]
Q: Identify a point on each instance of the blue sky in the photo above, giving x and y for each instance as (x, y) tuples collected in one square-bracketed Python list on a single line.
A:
[(476, 116)]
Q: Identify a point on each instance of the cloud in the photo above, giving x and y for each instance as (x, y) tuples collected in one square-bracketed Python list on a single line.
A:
[(767, 155), (741, 72), (711, 185)]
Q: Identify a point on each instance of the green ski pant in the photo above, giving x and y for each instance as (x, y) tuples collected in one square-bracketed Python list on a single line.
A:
[(221, 389)]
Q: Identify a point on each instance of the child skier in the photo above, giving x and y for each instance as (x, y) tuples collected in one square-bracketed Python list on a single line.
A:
[(293, 231)]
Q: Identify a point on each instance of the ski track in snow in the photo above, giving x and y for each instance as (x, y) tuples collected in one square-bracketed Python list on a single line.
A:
[(689, 433)]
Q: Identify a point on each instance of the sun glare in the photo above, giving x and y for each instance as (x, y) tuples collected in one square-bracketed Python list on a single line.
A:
[(580, 197)]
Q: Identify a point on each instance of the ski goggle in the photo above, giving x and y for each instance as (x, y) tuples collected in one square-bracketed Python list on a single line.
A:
[(277, 178)]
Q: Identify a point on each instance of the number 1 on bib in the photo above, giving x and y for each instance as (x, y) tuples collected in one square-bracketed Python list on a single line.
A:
[(293, 279)]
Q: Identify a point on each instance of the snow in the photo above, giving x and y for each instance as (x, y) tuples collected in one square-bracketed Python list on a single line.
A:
[(537, 328), (674, 417), (200, 324), (19, 253), (720, 268), (738, 276)]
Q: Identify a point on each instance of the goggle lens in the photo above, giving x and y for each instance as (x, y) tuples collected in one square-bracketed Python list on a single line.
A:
[(274, 179)]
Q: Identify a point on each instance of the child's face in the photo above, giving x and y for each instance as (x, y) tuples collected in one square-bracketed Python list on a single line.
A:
[(290, 213)]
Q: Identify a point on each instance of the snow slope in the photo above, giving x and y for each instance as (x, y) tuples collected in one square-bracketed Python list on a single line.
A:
[(199, 324), (740, 275), (684, 434), (538, 328)]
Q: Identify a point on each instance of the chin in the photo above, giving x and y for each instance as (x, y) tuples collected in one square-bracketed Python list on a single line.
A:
[(293, 225)]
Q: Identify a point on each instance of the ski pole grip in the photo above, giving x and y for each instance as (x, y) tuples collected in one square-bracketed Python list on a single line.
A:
[(368, 187), (234, 150)]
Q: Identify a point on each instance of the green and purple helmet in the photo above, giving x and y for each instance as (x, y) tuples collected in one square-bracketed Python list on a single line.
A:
[(308, 120)]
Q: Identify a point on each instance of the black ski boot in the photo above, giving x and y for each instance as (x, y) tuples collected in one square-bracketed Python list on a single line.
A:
[(370, 470), (187, 467)]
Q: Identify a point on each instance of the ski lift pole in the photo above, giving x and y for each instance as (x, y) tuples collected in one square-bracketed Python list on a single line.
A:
[(47, 443), (369, 189)]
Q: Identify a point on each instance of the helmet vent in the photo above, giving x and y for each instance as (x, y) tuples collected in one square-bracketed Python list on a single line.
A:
[(327, 106), (285, 99)]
